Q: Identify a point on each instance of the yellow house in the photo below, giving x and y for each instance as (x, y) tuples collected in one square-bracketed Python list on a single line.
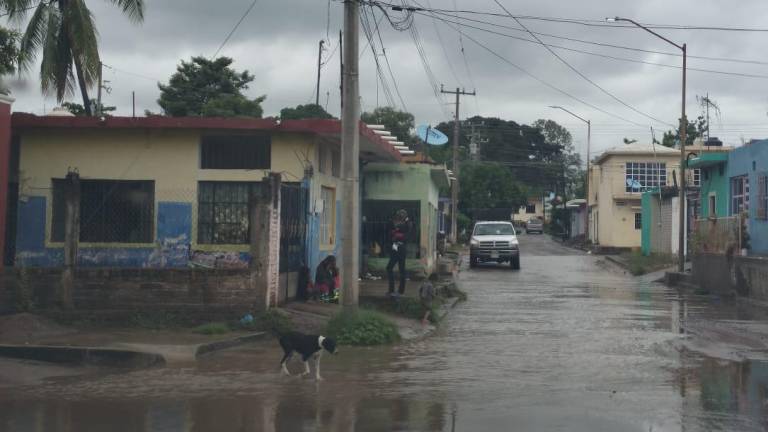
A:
[(173, 192), (618, 177), (534, 209)]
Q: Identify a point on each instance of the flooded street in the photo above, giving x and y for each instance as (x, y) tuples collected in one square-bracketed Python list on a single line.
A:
[(567, 343)]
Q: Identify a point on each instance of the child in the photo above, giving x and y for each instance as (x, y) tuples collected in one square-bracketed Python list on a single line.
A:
[(426, 295)]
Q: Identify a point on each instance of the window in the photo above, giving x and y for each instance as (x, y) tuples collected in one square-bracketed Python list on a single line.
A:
[(712, 206), (330, 161), (328, 216), (111, 211), (641, 176), (638, 221), (335, 164), (696, 177), (235, 152), (222, 212), (739, 194), (762, 197), (530, 209)]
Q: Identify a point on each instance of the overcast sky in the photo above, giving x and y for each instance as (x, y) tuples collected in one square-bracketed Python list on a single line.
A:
[(278, 43)]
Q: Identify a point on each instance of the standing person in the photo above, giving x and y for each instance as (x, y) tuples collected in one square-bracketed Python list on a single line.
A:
[(426, 295), (398, 233)]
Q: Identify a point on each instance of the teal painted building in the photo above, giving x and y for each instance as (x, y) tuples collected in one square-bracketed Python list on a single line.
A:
[(714, 183)]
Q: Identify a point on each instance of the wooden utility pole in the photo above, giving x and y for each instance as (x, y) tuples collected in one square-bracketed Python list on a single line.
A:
[(350, 157), (319, 65), (97, 110), (455, 167)]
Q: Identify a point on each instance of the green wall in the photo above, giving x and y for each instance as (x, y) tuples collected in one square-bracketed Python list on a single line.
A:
[(647, 223), (717, 184)]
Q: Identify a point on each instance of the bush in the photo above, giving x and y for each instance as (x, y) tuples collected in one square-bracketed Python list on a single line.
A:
[(363, 327), (273, 320), (212, 329)]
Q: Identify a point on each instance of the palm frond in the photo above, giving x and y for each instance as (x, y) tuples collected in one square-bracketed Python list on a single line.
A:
[(83, 39), (56, 67), (34, 36), (17, 9), (133, 8)]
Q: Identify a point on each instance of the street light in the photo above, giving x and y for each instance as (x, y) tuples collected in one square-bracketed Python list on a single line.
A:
[(683, 127), (586, 181)]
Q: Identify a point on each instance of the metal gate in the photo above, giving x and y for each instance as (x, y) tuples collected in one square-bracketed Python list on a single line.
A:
[(294, 202), (377, 215)]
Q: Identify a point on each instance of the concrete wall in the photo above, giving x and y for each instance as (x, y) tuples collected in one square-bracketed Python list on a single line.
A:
[(727, 275), (171, 159), (5, 158), (613, 224), (408, 182), (752, 160)]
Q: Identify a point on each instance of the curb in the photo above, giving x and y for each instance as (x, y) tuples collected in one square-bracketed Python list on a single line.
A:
[(616, 261), (208, 348), (83, 355)]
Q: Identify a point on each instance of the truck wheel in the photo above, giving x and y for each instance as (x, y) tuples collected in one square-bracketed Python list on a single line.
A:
[(514, 263)]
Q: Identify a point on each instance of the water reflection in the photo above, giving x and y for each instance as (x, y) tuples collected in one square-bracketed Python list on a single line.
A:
[(295, 413)]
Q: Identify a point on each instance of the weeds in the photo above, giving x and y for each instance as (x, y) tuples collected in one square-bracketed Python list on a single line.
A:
[(363, 327), (273, 320), (640, 264), (212, 329)]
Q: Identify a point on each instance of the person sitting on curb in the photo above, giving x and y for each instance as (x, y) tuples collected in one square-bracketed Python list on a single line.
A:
[(426, 295)]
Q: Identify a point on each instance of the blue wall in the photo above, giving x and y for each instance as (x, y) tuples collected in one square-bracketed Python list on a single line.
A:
[(752, 160), (174, 233)]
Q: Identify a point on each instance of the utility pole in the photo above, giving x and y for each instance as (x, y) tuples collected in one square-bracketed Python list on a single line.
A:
[(341, 69), (350, 150), (319, 65), (455, 167), (97, 111)]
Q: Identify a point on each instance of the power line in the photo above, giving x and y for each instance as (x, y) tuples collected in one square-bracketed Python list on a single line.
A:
[(579, 73), (445, 51), (226, 39), (607, 56), (579, 21), (603, 44), (389, 66), (545, 83), (130, 73), (369, 35)]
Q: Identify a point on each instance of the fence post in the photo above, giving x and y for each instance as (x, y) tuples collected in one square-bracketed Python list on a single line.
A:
[(71, 237), (264, 214)]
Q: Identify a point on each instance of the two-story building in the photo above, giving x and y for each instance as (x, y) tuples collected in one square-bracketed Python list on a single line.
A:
[(618, 177)]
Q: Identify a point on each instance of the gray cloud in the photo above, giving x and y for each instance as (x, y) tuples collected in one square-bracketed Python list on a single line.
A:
[(278, 44)]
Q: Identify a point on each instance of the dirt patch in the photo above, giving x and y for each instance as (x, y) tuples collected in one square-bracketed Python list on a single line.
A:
[(27, 327)]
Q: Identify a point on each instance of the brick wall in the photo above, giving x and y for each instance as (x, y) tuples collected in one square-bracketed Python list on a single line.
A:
[(135, 289)]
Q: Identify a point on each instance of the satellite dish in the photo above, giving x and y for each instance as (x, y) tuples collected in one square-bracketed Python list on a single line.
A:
[(431, 135), (634, 184)]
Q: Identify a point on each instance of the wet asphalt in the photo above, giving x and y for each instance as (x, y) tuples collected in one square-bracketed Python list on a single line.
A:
[(568, 343)]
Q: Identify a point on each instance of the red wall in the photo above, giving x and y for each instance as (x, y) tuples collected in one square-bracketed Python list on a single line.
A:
[(5, 155)]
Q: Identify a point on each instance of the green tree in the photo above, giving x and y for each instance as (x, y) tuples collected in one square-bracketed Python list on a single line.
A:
[(400, 123), (309, 111), (489, 185), (629, 140), (208, 88), (696, 129), (65, 32), (79, 110), (567, 160), (9, 54)]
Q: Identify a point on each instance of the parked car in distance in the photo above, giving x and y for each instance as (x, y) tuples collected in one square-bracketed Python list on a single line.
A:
[(534, 225), (494, 241)]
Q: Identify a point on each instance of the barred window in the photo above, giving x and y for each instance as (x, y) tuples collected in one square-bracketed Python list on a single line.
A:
[(696, 177), (641, 176), (638, 221), (530, 208), (328, 217), (222, 212), (111, 211), (762, 197), (739, 194), (235, 152)]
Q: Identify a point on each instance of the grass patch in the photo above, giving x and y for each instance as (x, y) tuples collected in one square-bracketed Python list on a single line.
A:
[(362, 327), (640, 264), (273, 320), (406, 307), (212, 329)]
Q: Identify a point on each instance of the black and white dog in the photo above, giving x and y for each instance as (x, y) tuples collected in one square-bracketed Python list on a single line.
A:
[(308, 346)]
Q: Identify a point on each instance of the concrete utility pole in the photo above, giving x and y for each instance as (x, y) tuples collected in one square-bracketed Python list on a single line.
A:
[(683, 129), (455, 167), (97, 110), (319, 65), (350, 156)]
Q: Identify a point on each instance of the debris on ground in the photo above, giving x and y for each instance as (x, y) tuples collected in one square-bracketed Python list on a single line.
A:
[(27, 327)]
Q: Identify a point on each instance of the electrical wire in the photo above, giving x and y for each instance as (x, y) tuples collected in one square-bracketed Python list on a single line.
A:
[(545, 83), (240, 21), (368, 31), (607, 45), (389, 66), (130, 73), (579, 73), (606, 56), (579, 21), (445, 51)]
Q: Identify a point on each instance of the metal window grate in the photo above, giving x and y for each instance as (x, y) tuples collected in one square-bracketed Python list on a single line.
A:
[(222, 212), (235, 152)]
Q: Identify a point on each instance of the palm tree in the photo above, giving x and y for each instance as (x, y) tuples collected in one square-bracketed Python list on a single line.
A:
[(66, 34)]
